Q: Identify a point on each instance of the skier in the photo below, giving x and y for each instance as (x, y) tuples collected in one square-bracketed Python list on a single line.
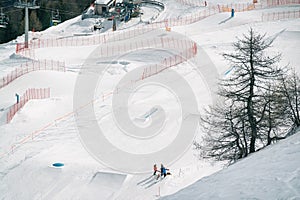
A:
[(163, 171), (155, 169)]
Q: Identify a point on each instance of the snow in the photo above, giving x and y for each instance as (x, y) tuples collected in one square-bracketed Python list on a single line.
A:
[(51, 124), (272, 173), (102, 1)]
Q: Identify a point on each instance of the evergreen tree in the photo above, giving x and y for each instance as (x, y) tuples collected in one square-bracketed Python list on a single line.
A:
[(248, 84), (252, 113), (35, 23), (290, 87)]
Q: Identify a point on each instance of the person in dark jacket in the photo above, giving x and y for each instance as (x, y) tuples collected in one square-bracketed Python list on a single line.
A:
[(163, 171)]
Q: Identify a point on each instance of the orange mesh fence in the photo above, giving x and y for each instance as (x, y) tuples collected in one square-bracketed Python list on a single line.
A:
[(29, 94), (84, 41), (130, 33), (188, 50), (281, 15), (30, 67), (282, 2)]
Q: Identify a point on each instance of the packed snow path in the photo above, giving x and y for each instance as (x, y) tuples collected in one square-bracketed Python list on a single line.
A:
[(26, 172)]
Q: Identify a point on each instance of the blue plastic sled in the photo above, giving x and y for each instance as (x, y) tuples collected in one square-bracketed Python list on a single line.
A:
[(57, 164)]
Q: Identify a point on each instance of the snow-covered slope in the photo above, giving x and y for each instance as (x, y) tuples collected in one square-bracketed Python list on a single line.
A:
[(272, 173), (50, 124)]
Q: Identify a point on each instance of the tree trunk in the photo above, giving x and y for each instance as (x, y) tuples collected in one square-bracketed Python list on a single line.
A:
[(250, 110), (297, 117)]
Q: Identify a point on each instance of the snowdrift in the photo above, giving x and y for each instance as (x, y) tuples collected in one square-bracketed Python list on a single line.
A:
[(272, 173)]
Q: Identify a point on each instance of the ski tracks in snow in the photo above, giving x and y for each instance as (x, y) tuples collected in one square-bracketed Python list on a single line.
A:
[(150, 181)]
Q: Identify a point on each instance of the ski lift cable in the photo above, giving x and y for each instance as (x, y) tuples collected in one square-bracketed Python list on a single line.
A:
[(65, 12), (5, 1), (60, 11), (43, 9), (12, 11), (77, 4), (5, 7), (69, 3)]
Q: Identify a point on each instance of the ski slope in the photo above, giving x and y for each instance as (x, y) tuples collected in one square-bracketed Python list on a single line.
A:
[(52, 124), (273, 173)]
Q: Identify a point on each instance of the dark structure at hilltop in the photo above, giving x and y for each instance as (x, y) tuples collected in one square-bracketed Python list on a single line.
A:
[(39, 19)]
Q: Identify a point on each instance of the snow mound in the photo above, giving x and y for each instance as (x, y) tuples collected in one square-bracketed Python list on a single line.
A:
[(104, 185), (272, 173)]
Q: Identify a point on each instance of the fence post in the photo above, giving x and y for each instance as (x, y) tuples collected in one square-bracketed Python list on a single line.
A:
[(158, 191)]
